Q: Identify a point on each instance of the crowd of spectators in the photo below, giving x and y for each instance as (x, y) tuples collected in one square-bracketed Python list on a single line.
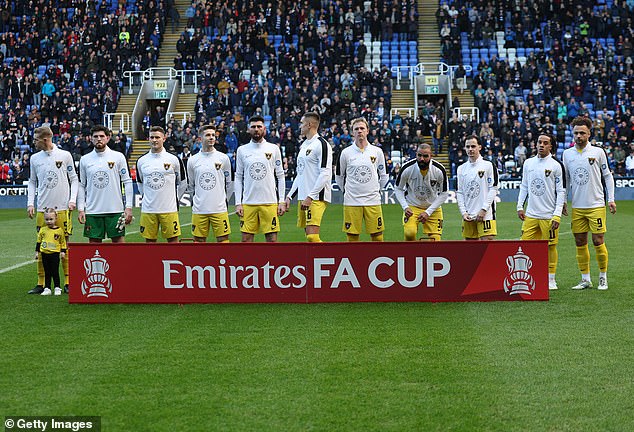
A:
[(61, 64), (578, 62), (281, 59)]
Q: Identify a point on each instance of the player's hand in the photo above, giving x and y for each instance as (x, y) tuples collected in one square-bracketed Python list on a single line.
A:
[(239, 210), (612, 207), (306, 203), (81, 217), (37, 256), (71, 206), (128, 216), (480, 216), (62, 255), (422, 218), (467, 217), (288, 204), (408, 213), (281, 209), (30, 210), (521, 214), (564, 210), (554, 222)]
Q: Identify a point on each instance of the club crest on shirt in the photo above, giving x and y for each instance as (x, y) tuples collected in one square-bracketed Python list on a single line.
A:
[(218, 166), (167, 166), (372, 159), (308, 151), (433, 182), (58, 164), (56, 237), (591, 160), (348, 225), (480, 174), (547, 173), (110, 165), (268, 156)]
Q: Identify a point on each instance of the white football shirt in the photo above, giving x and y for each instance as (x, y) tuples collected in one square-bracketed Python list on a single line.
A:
[(210, 181), (544, 185), (361, 174), (259, 174), (162, 181), (53, 180), (589, 177), (314, 171)]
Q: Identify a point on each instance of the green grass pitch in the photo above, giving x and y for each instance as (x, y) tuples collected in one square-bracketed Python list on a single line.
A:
[(561, 365)]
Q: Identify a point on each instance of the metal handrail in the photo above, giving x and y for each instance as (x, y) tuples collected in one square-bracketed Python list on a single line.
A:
[(471, 112), (186, 116), (109, 119)]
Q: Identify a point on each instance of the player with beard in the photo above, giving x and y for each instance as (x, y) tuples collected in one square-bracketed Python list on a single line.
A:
[(590, 182), (421, 189), (100, 202), (259, 185)]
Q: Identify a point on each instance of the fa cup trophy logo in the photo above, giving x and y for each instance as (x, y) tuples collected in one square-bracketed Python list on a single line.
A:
[(519, 281), (98, 284)]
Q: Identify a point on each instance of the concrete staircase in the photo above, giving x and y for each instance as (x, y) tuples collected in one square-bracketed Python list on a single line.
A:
[(429, 52), (126, 106), (168, 51), (139, 148), (428, 37)]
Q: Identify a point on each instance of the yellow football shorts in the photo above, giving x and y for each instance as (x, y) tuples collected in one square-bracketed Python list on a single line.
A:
[(589, 220), (539, 229), (169, 223), (353, 217), (473, 229), (313, 215), (259, 218), (433, 225), (219, 223)]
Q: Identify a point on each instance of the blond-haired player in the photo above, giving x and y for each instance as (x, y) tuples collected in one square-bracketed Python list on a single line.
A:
[(54, 180), (361, 173)]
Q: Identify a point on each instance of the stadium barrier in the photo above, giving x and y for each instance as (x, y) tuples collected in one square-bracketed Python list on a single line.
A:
[(451, 271)]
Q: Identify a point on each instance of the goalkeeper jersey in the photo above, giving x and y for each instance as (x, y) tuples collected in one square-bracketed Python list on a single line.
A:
[(101, 175)]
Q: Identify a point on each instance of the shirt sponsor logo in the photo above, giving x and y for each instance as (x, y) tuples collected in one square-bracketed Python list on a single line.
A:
[(257, 171), (100, 179), (207, 181)]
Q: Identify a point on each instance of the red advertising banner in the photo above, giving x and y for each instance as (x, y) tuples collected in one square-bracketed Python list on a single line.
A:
[(308, 272)]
